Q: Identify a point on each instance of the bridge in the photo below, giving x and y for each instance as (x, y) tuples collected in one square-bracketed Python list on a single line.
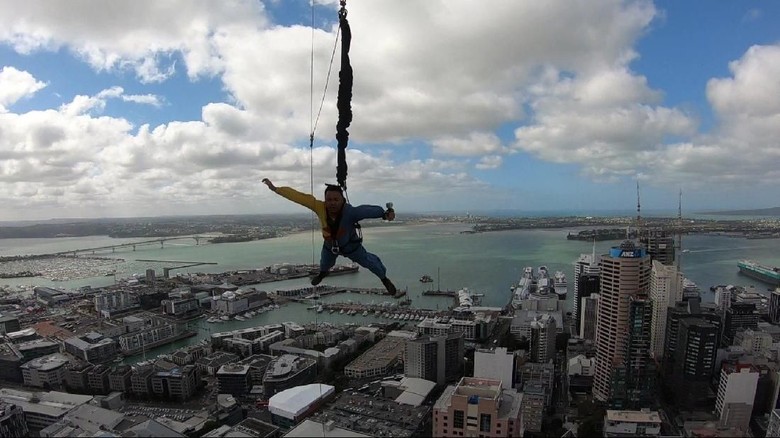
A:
[(159, 241)]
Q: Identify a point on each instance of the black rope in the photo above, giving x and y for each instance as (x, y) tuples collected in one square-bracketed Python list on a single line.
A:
[(344, 101)]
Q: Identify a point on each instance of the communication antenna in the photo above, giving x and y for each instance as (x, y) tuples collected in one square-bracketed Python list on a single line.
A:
[(679, 232), (638, 214)]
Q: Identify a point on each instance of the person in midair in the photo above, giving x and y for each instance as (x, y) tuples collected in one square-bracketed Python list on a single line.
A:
[(338, 220)]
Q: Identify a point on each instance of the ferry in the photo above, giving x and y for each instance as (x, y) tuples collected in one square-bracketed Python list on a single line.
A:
[(559, 285), (764, 273)]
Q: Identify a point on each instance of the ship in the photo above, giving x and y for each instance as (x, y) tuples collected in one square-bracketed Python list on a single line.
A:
[(559, 285), (766, 274), (426, 279)]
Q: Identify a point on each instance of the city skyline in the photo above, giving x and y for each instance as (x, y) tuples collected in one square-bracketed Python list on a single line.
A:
[(142, 109)]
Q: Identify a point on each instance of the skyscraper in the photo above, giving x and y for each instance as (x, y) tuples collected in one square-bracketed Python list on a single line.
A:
[(625, 274), (589, 307), (659, 245), (774, 306), (435, 358), (692, 309), (666, 288), (697, 345), (633, 380), (586, 281)]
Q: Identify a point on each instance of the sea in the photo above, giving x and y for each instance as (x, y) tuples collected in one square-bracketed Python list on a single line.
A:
[(485, 263)]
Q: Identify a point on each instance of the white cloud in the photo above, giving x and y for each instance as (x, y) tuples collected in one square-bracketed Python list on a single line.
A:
[(474, 83), (15, 85)]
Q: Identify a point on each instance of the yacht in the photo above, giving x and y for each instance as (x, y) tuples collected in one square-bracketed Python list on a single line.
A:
[(224, 318), (365, 313), (320, 308), (213, 319), (240, 318), (342, 312)]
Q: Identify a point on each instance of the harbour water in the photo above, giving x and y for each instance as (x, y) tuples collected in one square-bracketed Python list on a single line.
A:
[(487, 263)]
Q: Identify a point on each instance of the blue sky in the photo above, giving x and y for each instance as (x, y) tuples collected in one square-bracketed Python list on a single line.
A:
[(144, 108)]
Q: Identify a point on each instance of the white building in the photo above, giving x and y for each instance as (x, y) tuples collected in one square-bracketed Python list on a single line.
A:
[(497, 364), (736, 393), (290, 406), (581, 365), (753, 341), (643, 423), (666, 288), (586, 264), (45, 372)]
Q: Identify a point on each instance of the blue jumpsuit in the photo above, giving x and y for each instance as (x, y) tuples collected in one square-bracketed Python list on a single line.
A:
[(346, 241)]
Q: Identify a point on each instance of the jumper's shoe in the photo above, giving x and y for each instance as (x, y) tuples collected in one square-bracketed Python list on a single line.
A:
[(389, 286), (318, 278)]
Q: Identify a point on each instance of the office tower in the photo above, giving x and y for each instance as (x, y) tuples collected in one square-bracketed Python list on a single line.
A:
[(498, 364), (774, 306), (659, 245), (633, 380), (680, 311), (542, 339), (625, 273), (666, 284), (435, 358), (723, 297), (590, 307), (697, 345), (478, 406), (736, 394), (739, 316), (586, 281)]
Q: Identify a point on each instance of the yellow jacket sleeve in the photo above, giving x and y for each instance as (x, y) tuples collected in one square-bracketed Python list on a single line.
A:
[(308, 201)]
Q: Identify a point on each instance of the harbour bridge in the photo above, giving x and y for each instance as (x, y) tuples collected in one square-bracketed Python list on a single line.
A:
[(158, 241)]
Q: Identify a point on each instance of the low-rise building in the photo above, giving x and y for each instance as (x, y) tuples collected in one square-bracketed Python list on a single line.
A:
[(9, 324), (178, 383), (234, 379), (291, 406), (644, 423), (288, 371), (46, 372), (378, 360), (91, 347), (119, 379), (42, 409)]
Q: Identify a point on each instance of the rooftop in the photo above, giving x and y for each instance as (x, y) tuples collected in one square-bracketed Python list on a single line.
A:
[(52, 403), (383, 352), (294, 401), (309, 428), (47, 363), (643, 416)]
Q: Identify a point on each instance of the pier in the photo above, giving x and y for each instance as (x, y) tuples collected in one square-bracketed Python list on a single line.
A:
[(182, 265)]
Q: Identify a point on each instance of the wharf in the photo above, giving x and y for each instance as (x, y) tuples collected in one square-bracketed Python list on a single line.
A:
[(382, 311), (152, 345), (307, 294), (440, 293)]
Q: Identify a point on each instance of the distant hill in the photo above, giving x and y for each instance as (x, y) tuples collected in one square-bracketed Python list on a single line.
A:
[(774, 211)]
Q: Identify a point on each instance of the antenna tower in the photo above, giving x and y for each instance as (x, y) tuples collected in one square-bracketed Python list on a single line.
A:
[(679, 231)]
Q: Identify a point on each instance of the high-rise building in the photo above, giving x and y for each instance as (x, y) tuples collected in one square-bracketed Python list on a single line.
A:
[(542, 339), (625, 273), (697, 346), (435, 358), (773, 429), (586, 282), (498, 364), (666, 284), (659, 245), (12, 423), (736, 394), (478, 406), (774, 306), (692, 309), (739, 316), (590, 308), (633, 380)]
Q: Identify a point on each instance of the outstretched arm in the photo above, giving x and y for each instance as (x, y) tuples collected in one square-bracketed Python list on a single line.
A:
[(293, 195), (361, 212)]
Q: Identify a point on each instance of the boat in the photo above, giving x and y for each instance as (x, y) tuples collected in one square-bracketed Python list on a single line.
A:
[(332, 311), (559, 285), (239, 318), (247, 315), (342, 312), (213, 319), (763, 273), (224, 318), (426, 279), (365, 313), (320, 308)]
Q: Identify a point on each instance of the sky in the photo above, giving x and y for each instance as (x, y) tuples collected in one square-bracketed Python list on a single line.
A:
[(147, 108)]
